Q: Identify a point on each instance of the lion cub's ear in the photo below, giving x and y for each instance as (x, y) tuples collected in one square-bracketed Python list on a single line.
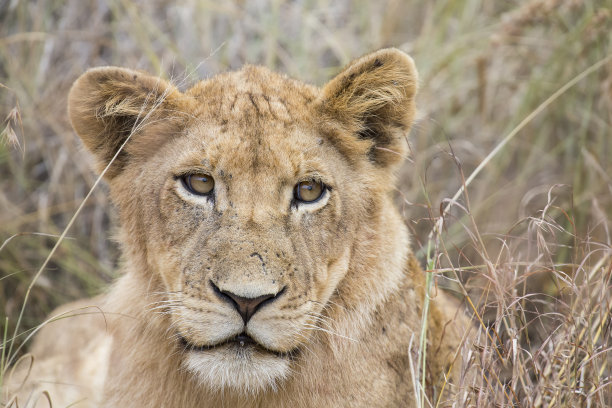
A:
[(109, 104), (373, 98)]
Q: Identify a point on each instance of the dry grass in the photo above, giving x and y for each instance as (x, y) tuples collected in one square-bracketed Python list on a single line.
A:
[(531, 247)]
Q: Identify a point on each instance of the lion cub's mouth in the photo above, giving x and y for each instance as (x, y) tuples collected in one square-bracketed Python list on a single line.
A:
[(241, 341)]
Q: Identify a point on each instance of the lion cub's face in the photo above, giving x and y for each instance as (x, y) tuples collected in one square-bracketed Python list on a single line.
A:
[(243, 197), (251, 231)]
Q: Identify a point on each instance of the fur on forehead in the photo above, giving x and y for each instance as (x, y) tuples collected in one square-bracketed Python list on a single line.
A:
[(256, 94)]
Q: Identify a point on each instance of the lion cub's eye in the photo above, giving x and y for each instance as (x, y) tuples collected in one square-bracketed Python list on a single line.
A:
[(308, 191), (199, 183)]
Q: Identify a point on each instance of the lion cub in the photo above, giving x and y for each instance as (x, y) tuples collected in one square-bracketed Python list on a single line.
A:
[(264, 263)]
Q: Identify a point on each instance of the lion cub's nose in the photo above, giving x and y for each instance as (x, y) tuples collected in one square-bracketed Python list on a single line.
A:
[(246, 307)]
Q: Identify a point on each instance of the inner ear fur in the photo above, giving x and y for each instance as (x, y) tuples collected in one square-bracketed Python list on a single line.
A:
[(109, 104), (373, 98)]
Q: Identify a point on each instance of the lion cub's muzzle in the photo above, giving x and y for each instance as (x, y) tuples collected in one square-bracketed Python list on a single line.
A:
[(242, 294), (246, 305)]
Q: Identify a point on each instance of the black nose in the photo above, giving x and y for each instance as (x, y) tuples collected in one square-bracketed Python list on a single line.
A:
[(246, 307)]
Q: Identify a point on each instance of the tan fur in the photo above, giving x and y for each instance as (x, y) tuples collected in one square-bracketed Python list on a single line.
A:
[(351, 292)]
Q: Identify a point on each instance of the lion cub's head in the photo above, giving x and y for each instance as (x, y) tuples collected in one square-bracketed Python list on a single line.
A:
[(247, 202)]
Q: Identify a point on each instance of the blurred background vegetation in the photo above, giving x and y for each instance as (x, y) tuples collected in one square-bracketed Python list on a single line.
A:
[(530, 241)]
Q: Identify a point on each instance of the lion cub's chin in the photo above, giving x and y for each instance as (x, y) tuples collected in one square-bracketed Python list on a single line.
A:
[(244, 369)]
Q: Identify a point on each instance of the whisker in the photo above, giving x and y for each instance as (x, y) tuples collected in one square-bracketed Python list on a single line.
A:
[(308, 326)]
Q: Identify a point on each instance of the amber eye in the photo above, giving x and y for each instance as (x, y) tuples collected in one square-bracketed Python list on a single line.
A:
[(308, 191), (200, 183)]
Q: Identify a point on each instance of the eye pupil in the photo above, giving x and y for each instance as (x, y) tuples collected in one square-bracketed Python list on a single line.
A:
[(308, 191), (200, 184)]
